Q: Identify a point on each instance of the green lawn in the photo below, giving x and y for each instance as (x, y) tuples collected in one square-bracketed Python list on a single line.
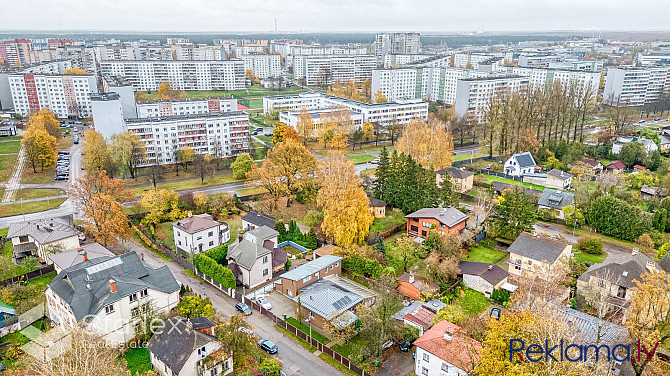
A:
[(479, 253), (7, 166), (305, 329), (42, 281), (394, 259), (30, 193), (592, 259), (251, 92), (393, 218), (29, 207), (8, 269), (165, 234), (491, 178), (467, 157), (472, 303), (251, 191), (365, 158), (194, 183), (265, 138), (40, 177), (10, 147), (138, 360), (251, 103)]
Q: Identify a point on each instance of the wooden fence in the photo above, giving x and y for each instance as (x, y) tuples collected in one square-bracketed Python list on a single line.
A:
[(305, 337), (386, 234), (27, 276)]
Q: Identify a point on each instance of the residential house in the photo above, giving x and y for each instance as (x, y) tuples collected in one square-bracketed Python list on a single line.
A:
[(292, 281), (42, 237), (421, 318), (520, 164), (594, 166), (107, 293), (615, 167), (250, 257), (555, 200), (482, 277), (324, 301), (199, 233), (558, 179), (649, 191), (183, 350), (461, 178), (637, 169), (500, 187), (648, 144), (665, 140), (444, 219), (615, 276), (530, 255), (377, 207), (416, 287), (252, 220), (445, 350), (64, 260)]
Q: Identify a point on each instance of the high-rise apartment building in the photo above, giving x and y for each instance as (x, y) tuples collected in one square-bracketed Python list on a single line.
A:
[(324, 70)]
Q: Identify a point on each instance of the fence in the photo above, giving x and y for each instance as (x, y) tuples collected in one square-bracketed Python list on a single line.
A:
[(470, 160), (305, 337), (500, 175), (205, 277), (371, 240), (27, 276)]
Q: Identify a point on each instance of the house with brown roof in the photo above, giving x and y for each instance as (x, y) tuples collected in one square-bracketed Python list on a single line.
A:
[(482, 277), (443, 219), (377, 207), (416, 287), (530, 254), (421, 318), (594, 166), (615, 167), (445, 349), (199, 233), (461, 178)]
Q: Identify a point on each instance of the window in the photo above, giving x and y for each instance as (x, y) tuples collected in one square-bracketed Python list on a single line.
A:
[(23, 239), (265, 259), (413, 228), (109, 309), (211, 243), (517, 267), (424, 233), (144, 293), (307, 279), (426, 224), (198, 238), (133, 297), (289, 292), (210, 234), (134, 312), (265, 272), (445, 367), (202, 352), (426, 357), (424, 371)]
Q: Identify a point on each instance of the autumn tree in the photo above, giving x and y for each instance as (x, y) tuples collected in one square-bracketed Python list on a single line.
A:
[(430, 144), (49, 120), (184, 156), (286, 170), (241, 165), (346, 217), (96, 156), (240, 342), (515, 213), (75, 72), (305, 125), (193, 306), (283, 132), (165, 92), (128, 152), (100, 200), (380, 97), (41, 148), (162, 205)]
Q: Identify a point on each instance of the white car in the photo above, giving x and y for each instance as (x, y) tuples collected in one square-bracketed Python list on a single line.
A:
[(263, 302)]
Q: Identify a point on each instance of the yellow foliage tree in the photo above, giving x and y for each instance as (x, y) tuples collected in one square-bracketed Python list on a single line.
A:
[(75, 71), (95, 154), (337, 89), (288, 168), (162, 205), (40, 147), (380, 97), (305, 125), (282, 132), (367, 129), (427, 143), (48, 120), (346, 217), (339, 140), (351, 91), (165, 92)]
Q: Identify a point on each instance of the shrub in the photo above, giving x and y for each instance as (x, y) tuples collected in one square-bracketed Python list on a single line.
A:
[(364, 266), (215, 271), (500, 296), (589, 245), (219, 254)]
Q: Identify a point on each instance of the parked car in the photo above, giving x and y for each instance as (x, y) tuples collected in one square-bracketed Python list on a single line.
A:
[(243, 308), (263, 302), (60, 177), (268, 346), (495, 313), (387, 345), (246, 330), (76, 139), (657, 119), (375, 161), (405, 346), (82, 237)]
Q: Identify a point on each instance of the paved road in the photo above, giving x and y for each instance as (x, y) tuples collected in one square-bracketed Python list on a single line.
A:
[(554, 229), (296, 360), (64, 209)]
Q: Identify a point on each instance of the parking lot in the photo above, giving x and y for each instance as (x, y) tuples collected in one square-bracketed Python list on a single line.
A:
[(281, 305), (63, 166)]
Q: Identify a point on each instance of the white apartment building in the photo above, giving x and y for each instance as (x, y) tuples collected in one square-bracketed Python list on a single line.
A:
[(653, 57), (263, 66), (67, 96), (635, 86), (319, 116), (107, 294), (396, 43), (52, 67), (324, 70), (182, 75), (123, 52), (473, 95), (394, 60), (538, 61), (545, 78), (197, 52), (185, 107), (402, 111), (462, 60), (199, 233)]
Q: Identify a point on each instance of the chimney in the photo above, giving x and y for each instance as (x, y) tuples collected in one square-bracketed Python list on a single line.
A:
[(112, 285), (490, 267), (189, 326), (636, 251), (448, 336), (190, 213), (411, 277), (84, 254)]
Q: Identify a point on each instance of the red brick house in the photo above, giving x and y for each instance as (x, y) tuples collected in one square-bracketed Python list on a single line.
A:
[(444, 219)]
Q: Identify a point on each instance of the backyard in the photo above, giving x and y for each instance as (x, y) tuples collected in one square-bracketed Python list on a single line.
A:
[(393, 218), (472, 303), (491, 178), (480, 253), (591, 259), (138, 360)]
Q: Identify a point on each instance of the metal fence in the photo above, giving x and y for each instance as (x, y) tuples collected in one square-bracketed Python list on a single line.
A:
[(500, 175), (27, 276), (305, 337)]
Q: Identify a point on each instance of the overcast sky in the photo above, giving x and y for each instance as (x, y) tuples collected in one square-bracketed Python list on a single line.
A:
[(334, 15)]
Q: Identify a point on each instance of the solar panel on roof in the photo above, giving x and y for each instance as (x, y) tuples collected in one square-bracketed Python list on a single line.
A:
[(342, 302), (104, 265)]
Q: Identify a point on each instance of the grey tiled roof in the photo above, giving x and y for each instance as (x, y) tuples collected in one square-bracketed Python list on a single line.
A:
[(175, 344), (449, 216), (455, 172), (537, 248), (85, 286), (524, 159), (554, 199), (44, 231), (489, 272), (500, 186), (245, 253), (259, 219), (72, 257), (327, 299), (664, 263), (311, 267), (559, 174), (263, 232), (620, 269), (593, 329)]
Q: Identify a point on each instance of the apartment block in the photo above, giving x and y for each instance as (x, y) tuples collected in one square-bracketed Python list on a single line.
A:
[(324, 70), (182, 75), (653, 57), (473, 95), (53, 67), (635, 86), (263, 66), (472, 60), (197, 52), (67, 96), (396, 43), (185, 107), (545, 78), (395, 60)]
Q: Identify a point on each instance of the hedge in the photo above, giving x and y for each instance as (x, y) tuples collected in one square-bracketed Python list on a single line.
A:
[(215, 271), (219, 254), (363, 266)]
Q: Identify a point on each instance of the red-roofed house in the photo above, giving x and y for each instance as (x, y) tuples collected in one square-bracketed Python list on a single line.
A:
[(638, 168), (420, 318), (615, 167), (446, 350), (416, 287)]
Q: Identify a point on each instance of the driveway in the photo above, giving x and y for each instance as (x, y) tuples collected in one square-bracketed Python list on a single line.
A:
[(281, 305), (397, 363)]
